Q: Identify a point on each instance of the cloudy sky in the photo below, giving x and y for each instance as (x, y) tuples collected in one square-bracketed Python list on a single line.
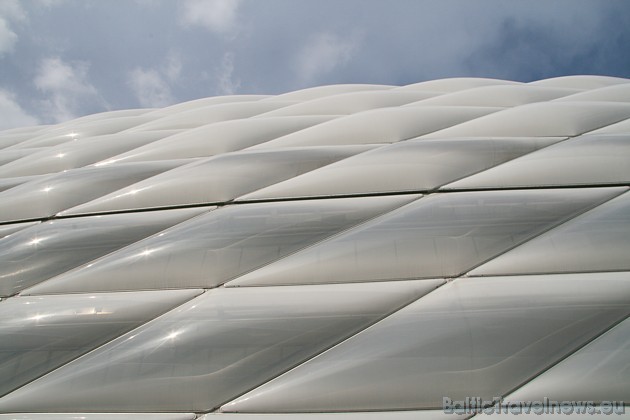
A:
[(60, 59)]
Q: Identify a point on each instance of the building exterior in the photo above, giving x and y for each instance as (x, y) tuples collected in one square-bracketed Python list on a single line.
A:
[(451, 248)]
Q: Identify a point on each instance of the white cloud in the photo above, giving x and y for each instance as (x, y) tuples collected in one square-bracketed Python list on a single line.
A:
[(323, 53), (226, 83), (66, 86), (150, 88), (12, 113), (10, 11), (173, 67), (219, 16)]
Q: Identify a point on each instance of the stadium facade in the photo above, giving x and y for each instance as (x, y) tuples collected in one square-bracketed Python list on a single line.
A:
[(430, 251)]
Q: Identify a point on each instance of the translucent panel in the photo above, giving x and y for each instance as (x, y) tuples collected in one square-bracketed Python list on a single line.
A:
[(580, 82), (386, 125), (221, 137), (554, 119), (46, 196), (585, 160), (363, 415), (479, 337), (47, 249), (210, 114), (499, 95), (80, 153), (221, 245), (7, 140), (7, 183), (214, 348), (204, 102), (597, 241), (406, 166), (108, 115), (38, 334), (455, 84), (622, 127), (438, 236), (218, 179), (99, 416), (350, 103), (614, 93), (11, 155), (323, 91), (12, 228), (70, 132), (597, 372)]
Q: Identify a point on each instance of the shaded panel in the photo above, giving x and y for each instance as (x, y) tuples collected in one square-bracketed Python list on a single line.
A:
[(213, 348), (7, 183), (44, 197), (438, 236), (221, 245), (350, 103), (78, 129), (479, 337), (585, 160), (413, 165), (47, 249), (580, 81), (499, 95), (7, 156), (386, 125), (38, 334), (222, 137), (199, 116), (218, 179), (78, 153), (598, 372), (597, 241), (614, 93), (454, 84), (554, 119), (13, 227)]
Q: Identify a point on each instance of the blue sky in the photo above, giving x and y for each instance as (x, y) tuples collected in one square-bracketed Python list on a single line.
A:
[(60, 59)]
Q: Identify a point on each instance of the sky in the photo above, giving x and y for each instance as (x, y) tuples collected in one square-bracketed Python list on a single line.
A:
[(61, 59)]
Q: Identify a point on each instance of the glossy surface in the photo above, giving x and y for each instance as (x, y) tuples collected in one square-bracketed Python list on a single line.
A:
[(214, 348), (218, 179), (386, 125), (597, 372), (596, 241), (46, 196), (437, 236), (559, 119), (78, 153), (413, 165), (44, 250), (585, 160), (221, 137), (39, 334), (220, 245), (458, 341)]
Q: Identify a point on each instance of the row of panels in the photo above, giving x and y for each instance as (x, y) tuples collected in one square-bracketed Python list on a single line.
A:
[(341, 240), (340, 347), (420, 165)]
